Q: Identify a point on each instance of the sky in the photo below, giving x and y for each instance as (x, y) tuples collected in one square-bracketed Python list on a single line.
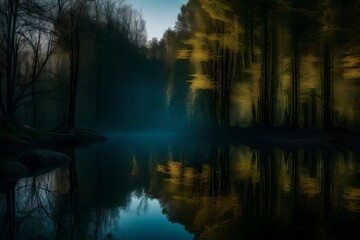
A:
[(158, 14)]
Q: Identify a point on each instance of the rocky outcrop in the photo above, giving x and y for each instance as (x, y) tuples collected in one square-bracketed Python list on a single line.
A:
[(16, 135), (30, 163), (40, 161), (10, 172)]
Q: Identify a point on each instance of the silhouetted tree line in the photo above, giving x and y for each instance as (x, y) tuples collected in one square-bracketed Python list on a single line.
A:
[(60, 58)]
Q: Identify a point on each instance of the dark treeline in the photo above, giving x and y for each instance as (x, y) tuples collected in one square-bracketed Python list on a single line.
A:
[(226, 63), (75, 62)]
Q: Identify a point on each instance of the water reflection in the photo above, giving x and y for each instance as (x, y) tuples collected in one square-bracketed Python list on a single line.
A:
[(144, 219), (128, 189)]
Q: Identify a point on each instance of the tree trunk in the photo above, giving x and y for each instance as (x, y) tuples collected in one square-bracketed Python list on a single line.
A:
[(2, 107), (74, 70), (252, 33), (99, 67), (265, 79), (295, 82), (327, 85), (274, 74), (11, 57), (74, 77)]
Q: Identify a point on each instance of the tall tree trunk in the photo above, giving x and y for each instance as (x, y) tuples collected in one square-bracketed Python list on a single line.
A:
[(99, 87), (74, 78), (99, 66), (252, 32), (274, 75), (327, 83), (265, 79), (225, 89), (249, 45), (11, 57), (33, 85), (2, 107), (313, 109), (74, 70), (295, 81)]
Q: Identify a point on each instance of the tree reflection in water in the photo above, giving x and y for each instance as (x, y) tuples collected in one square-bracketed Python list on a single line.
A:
[(213, 191)]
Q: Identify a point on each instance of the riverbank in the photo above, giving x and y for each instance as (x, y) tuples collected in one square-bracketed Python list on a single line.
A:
[(29, 152), (13, 135)]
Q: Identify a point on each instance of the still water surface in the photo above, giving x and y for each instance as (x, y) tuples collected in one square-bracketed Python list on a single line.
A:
[(160, 187)]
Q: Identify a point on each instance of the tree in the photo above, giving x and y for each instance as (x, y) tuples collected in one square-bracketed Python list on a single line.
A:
[(100, 42), (67, 30), (295, 60), (214, 50), (268, 87), (10, 13), (21, 19), (41, 45), (327, 68)]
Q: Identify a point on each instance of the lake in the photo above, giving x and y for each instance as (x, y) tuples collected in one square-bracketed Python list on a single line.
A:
[(159, 186)]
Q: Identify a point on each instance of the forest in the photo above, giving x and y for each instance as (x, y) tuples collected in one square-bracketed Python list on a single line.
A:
[(241, 120), (224, 64), (271, 63)]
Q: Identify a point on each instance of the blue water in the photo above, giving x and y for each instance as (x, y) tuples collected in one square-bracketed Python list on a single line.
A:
[(144, 219), (165, 186)]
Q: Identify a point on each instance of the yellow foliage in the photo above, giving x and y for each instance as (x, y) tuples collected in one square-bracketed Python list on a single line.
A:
[(183, 54), (216, 9), (201, 81), (351, 66)]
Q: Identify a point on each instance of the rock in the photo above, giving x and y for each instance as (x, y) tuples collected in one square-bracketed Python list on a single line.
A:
[(40, 161), (10, 172)]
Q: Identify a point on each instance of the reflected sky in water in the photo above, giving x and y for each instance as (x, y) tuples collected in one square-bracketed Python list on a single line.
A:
[(144, 219), (162, 187)]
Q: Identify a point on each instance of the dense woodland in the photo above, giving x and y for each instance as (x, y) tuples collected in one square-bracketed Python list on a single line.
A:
[(225, 63)]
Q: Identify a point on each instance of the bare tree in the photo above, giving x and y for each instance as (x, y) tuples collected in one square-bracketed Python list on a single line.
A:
[(67, 31), (10, 12), (22, 21), (130, 23)]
